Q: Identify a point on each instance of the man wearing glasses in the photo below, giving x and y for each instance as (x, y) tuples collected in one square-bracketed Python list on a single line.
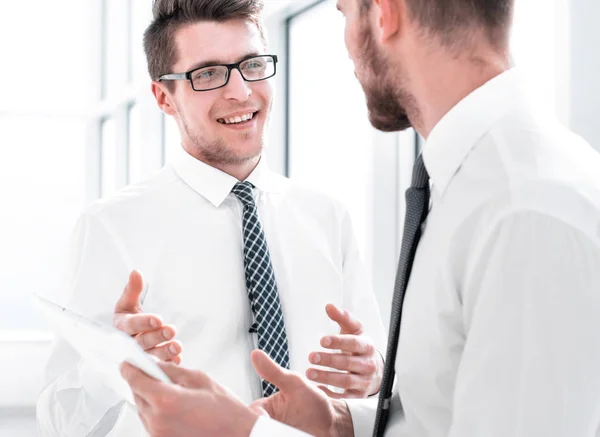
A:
[(234, 257)]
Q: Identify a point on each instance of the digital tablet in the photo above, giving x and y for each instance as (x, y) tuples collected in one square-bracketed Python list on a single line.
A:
[(103, 347)]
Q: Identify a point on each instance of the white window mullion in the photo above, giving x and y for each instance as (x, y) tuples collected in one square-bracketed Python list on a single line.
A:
[(94, 61), (121, 118)]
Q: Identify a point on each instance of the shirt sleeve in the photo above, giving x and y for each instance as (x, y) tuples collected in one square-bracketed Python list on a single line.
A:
[(363, 412), (75, 401), (358, 297), (531, 360), (265, 427)]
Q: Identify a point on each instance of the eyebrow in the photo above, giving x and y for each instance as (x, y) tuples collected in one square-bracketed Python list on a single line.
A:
[(212, 62)]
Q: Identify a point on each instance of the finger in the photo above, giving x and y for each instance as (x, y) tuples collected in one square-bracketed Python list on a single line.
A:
[(150, 339), (348, 323), (167, 351), (129, 301), (347, 381), (354, 344), (362, 365), (176, 359), (133, 324), (270, 371), (141, 384)]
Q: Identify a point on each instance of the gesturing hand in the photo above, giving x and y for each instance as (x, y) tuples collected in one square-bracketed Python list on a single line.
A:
[(147, 329), (299, 403), (360, 364)]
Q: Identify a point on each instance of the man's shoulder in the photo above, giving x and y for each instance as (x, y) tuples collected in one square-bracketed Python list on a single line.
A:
[(539, 147), (521, 153), (137, 198), (525, 168)]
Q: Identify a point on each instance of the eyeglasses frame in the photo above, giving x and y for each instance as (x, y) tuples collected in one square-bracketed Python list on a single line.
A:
[(188, 74)]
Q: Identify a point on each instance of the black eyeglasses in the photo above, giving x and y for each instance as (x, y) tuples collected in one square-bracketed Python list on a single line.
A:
[(252, 69)]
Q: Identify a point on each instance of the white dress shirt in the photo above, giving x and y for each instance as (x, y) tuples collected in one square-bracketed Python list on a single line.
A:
[(183, 230), (500, 331)]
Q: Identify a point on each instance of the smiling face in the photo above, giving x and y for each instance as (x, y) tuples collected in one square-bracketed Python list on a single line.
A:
[(224, 126), (387, 96)]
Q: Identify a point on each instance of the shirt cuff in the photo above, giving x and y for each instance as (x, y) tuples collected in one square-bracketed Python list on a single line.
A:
[(265, 427), (363, 413)]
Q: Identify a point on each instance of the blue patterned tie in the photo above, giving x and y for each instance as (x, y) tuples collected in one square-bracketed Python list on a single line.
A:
[(261, 286)]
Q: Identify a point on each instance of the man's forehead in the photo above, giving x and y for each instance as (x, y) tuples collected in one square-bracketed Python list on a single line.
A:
[(211, 41)]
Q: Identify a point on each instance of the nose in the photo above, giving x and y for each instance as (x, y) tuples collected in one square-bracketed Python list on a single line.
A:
[(237, 88)]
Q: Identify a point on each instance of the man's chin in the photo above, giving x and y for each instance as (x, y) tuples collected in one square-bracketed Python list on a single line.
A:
[(389, 124), (244, 155)]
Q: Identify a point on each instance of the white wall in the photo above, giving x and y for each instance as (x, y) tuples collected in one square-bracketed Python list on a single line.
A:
[(584, 44)]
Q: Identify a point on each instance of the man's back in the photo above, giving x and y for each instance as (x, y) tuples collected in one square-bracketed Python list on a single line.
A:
[(505, 291)]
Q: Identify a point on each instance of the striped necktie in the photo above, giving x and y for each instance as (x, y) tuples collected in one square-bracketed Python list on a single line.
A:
[(261, 286)]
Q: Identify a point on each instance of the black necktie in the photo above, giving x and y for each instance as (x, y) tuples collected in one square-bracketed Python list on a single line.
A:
[(417, 206), (261, 286)]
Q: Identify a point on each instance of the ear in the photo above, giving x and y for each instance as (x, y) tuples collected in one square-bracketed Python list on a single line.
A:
[(163, 98), (387, 20)]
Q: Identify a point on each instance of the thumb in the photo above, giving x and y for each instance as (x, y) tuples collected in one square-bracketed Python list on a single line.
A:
[(270, 371), (260, 406), (348, 323), (129, 302), (184, 377)]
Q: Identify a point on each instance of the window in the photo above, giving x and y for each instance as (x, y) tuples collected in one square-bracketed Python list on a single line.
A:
[(42, 153), (84, 131), (115, 61), (135, 158), (141, 15), (42, 173), (109, 158), (534, 48), (333, 147), (131, 139), (330, 135)]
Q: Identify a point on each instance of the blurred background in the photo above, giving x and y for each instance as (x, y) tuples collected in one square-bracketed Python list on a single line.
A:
[(78, 121)]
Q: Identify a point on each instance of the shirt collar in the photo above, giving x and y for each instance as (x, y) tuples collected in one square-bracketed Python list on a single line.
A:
[(457, 133), (214, 184)]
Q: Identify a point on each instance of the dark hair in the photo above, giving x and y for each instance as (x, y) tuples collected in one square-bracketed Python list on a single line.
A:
[(451, 20), (170, 15)]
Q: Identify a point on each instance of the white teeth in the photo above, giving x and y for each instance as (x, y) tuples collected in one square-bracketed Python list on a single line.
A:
[(236, 119)]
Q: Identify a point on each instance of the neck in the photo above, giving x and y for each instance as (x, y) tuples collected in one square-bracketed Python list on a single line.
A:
[(440, 80), (239, 170)]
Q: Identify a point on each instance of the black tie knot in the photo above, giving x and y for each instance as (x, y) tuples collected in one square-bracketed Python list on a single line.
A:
[(243, 191)]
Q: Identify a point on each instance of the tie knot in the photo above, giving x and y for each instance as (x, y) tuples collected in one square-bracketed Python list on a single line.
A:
[(420, 177), (243, 191)]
